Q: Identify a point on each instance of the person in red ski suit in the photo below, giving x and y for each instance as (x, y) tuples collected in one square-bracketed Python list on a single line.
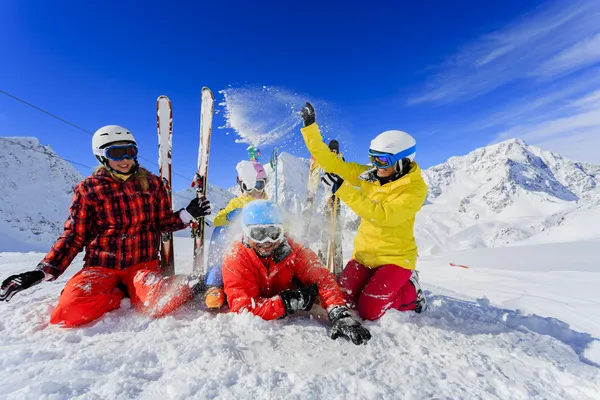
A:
[(271, 276), (118, 214)]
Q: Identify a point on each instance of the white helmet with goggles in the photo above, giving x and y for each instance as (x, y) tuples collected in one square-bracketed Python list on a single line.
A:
[(390, 148), (113, 142)]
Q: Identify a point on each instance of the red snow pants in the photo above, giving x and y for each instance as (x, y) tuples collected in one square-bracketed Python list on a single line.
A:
[(373, 291), (94, 291)]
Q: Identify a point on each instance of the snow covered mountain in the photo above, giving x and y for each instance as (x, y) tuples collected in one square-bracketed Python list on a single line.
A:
[(37, 187), (507, 193)]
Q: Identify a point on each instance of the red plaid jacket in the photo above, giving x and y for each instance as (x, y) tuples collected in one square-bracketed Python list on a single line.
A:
[(119, 223)]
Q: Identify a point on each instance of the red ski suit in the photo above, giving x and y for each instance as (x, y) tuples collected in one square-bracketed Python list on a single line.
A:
[(119, 223), (253, 283)]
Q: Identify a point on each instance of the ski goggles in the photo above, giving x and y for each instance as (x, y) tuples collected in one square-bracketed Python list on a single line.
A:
[(120, 151), (386, 160), (381, 160), (258, 187), (264, 233)]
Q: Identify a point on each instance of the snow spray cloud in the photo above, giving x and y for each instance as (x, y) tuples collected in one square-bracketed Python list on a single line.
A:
[(263, 115)]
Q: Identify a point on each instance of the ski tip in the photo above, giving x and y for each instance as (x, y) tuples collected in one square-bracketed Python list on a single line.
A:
[(206, 89), (162, 97)]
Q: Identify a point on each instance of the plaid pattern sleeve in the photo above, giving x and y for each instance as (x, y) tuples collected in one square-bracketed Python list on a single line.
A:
[(71, 242)]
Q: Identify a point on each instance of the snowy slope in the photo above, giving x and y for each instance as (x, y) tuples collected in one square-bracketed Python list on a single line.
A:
[(506, 193), (465, 346), (36, 192)]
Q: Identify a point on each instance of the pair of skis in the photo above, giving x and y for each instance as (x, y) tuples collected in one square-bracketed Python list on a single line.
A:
[(330, 250), (164, 115)]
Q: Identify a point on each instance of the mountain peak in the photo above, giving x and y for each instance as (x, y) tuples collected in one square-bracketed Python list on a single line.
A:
[(37, 188)]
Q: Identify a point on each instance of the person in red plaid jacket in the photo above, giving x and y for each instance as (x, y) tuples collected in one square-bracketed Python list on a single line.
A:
[(118, 214)]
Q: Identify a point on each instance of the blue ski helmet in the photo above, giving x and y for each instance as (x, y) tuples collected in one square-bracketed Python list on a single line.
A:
[(261, 212)]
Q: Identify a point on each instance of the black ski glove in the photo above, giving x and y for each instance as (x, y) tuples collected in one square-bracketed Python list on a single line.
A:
[(199, 207), (332, 182), (16, 283), (301, 299), (346, 326), (308, 114)]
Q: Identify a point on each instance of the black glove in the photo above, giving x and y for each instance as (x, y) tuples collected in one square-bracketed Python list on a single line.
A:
[(346, 326), (308, 114), (16, 283), (301, 299), (332, 182), (199, 207)]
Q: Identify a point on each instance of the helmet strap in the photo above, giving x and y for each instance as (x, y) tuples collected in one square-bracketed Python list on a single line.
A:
[(402, 166)]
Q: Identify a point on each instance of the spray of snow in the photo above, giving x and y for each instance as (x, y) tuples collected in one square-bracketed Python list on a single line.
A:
[(266, 115), (261, 116)]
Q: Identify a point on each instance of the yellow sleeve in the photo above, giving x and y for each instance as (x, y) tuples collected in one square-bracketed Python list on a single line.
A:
[(388, 213), (329, 161), (221, 218)]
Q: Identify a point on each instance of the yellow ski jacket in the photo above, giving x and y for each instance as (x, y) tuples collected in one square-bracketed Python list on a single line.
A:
[(235, 203), (386, 231)]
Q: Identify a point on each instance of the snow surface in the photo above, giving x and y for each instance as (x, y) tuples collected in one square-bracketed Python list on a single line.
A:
[(464, 346)]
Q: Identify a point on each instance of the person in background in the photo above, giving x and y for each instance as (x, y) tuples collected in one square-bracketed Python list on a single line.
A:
[(252, 180)]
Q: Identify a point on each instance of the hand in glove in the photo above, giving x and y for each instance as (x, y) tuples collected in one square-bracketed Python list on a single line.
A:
[(332, 182), (16, 283), (308, 114), (199, 207), (346, 326), (301, 299)]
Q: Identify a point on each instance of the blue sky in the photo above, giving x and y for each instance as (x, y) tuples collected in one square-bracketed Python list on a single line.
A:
[(457, 75)]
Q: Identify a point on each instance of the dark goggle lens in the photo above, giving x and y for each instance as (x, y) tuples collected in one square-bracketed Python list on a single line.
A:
[(381, 161), (118, 153), (260, 185), (260, 233)]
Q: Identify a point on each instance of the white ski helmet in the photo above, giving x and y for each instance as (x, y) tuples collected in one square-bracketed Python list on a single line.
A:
[(110, 134), (397, 143)]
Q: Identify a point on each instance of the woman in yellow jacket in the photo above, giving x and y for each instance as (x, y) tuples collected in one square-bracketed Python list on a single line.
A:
[(252, 178), (387, 196)]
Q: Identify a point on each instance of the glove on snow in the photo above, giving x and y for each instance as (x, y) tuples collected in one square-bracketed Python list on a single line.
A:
[(308, 114), (199, 207), (301, 299), (16, 283), (346, 326), (332, 182)]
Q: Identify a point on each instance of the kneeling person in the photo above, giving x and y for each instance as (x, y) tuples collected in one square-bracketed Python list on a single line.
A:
[(271, 276)]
